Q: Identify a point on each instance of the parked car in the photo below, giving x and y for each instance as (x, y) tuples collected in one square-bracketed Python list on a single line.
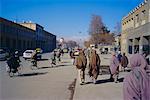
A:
[(76, 53), (28, 54), (65, 50), (3, 54)]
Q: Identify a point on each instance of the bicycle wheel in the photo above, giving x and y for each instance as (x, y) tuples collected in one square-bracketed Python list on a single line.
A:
[(33, 66), (20, 69), (11, 74)]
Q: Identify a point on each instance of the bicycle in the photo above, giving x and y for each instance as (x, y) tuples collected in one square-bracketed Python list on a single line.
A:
[(34, 64), (11, 71)]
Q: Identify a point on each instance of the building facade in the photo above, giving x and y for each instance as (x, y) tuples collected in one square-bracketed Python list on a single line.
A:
[(44, 39), (16, 36), (135, 36)]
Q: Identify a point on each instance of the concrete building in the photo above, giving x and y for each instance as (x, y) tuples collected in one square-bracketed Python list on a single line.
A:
[(135, 36), (44, 39), (15, 36)]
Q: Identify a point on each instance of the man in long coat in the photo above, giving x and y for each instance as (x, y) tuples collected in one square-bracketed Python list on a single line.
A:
[(94, 65), (124, 61), (81, 63)]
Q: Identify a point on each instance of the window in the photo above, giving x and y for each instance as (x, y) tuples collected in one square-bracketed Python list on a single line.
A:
[(1, 41), (19, 43), (24, 44), (14, 43), (143, 14), (28, 44), (137, 18)]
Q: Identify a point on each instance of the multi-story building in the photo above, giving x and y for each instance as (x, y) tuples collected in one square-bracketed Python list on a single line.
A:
[(15, 36), (44, 39), (135, 36)]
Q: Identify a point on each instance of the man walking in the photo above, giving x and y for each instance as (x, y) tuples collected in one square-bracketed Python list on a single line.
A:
[(124, 61), (94, 65), (80, 63), (114, 68)]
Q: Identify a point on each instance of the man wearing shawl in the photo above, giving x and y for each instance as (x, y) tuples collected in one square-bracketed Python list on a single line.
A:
[(80, 63), (136, 85), (114, 68), (124, 61), (94, 65)]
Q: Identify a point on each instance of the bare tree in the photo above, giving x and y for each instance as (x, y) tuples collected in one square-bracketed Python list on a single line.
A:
[(96, 25), (117, 28), (71, 44), (99, 32), (87, 43)]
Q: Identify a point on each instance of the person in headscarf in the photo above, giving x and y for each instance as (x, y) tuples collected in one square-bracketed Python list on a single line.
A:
[(114, 68), (80, 64), (136, 85), (124, 61), (94, 65)]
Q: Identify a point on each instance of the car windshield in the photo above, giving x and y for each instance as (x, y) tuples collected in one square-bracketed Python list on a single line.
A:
[(29, 52)]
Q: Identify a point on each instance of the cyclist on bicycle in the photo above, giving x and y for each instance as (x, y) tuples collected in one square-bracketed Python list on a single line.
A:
[(17, 56), (13, 63), (34, 58), (53, 58)]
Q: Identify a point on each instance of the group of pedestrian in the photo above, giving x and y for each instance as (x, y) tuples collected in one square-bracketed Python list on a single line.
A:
[(94, 64), (56, 54), (116, 62), (136, 85)]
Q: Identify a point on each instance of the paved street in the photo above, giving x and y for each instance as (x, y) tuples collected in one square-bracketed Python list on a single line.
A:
[(103, 90), (47, 83)]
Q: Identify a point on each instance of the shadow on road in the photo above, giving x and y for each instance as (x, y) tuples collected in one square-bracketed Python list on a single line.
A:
[(54, 66), (42, 59), (32, 74), (108, 80), (61, 65), (44, 67), (103, 81), (121, 79), (65, 62)]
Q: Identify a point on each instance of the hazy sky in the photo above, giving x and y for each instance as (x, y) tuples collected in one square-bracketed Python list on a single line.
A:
[(66, 18)]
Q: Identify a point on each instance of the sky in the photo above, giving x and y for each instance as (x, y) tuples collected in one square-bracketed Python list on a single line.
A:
[(69, 19)]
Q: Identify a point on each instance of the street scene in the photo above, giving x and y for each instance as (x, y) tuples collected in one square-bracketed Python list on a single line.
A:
[(44, 83), (53, 83), (75, 50)]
